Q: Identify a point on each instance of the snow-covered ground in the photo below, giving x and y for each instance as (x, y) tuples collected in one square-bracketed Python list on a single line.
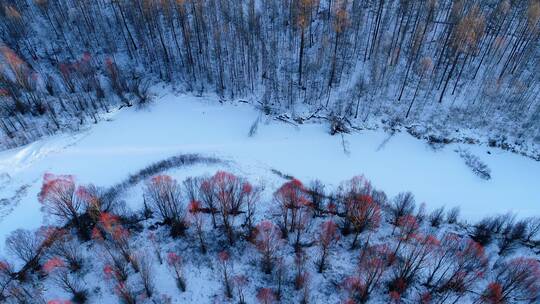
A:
[(108, 152)]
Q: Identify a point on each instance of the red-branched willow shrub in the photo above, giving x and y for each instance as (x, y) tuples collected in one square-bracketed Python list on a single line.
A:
[(425, 298), (31, 246), (6, 278), (174, 261), (164, 195), (306, 279), (25, 245), (113, 272), (364, 215), (146, 274), (300, 259), (227, 196), (352, 194), (412, 258), (124, 292), (120, 236), (408, 226), (266, 296), (373, 263), (225, 264), (156, 245), (304, 216), (493, 294), (516, 280), (441, 258), (292, 199), (61, 275), (252, 196), (402, 205), (94, 201), (354, 288), (52, 264), (280, 276), (228, 191), (208, 198), (196, 218), (317, 197), (240, 283), (114, 237), (232, 194), (268, 241), (58, 198), (328, 236), (395, 297), (68, 248), (455, 267)]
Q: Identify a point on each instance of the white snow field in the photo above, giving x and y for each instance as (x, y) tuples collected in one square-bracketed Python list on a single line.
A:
[(108, 152)]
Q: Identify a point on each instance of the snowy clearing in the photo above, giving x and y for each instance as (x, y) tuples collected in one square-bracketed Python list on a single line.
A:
[(109, 151)]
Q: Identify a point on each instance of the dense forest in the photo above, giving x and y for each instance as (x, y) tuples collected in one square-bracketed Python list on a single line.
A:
[(439, 64)]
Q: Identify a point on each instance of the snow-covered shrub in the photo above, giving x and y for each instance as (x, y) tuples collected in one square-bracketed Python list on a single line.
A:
[(175, 263), (436, 217), (459, 269), (356, 206), (373, 264), (266, 296), (280, 276), (407, 230), (512, 233), (225, 265), (58, 198), (6, 273), (317, 196), (64, 279), (240, 283), (483, 231), (68, 248), (453, 215), (300, 260), (196, 218), (141, 89), (267, 240), (95, 201), (328, 237), (291, 197), (365, 215), (518, 279), (421, 213), (231, 193), (456, 264), (146, 273), (402, 205), (476, 164), (156, 246), (412, 257), (533, 229), (164, 195), (31, 247), (338, 124)]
